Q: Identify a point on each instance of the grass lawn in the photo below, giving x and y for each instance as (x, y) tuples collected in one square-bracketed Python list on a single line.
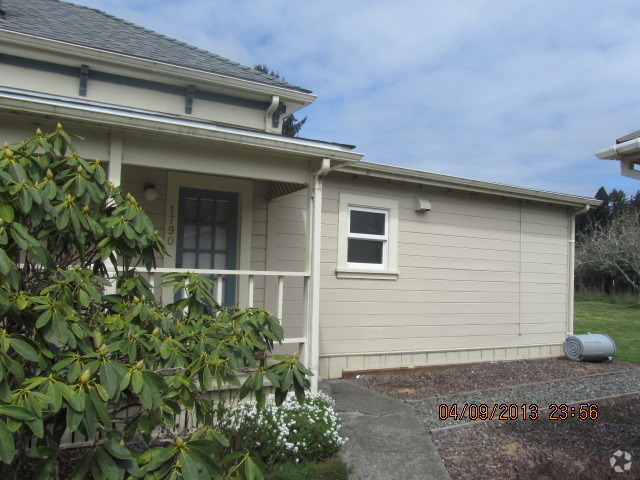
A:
[(618, 318)]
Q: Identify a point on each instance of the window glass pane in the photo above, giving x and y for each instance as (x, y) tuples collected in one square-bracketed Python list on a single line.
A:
[(221, 237), (205, 240), (220, 261), (204, 260), (365, 251), (190, 209), (222, 212), (370, 223), (189, 238), (189, 260), (206, 210)]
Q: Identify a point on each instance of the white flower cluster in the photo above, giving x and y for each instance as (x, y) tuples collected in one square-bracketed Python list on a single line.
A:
[(292, 429)]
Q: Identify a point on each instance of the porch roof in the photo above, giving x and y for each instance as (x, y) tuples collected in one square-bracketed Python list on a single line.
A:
[(151, 121)]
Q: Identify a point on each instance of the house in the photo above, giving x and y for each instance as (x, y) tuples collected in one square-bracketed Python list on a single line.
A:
[(627, 150), (369, 266)]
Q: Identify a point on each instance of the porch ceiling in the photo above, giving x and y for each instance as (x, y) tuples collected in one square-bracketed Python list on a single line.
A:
[(280, 189)]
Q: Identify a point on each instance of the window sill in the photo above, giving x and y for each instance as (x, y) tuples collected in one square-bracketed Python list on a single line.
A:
[(344, 272)]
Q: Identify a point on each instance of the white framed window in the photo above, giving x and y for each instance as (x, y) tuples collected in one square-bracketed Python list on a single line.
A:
[(367, 237)]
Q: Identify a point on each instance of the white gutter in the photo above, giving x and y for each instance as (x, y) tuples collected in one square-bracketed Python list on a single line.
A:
[(629, 155), (315, 247), (571, 262), (125, 117), (616, 152), (400, 174)]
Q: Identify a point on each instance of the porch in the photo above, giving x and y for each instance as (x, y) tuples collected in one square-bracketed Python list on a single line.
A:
[(248, 218)]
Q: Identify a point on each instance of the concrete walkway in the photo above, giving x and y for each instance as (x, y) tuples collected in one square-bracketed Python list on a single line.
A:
[(387, 440)]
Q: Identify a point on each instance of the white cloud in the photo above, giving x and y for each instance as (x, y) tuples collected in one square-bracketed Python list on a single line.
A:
[(508, 91)]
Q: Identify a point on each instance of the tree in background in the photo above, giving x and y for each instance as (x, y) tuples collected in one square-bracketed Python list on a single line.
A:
[(612, 248), (290, 124), (118, 368)]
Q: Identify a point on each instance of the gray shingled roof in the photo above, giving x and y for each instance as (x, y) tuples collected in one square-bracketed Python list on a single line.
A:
[(631, 136), (79, 25)]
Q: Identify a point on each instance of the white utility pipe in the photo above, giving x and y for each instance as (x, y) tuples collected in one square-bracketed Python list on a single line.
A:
[(571, 274), (315, 248)]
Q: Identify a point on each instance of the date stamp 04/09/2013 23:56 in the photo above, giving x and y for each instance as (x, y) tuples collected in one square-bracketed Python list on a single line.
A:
[(514, 411)]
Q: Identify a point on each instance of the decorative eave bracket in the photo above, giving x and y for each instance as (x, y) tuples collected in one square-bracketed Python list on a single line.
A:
[(84, 80), (189, 96)]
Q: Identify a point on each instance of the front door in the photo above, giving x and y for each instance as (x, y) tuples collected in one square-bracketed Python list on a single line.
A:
[(207, 234)]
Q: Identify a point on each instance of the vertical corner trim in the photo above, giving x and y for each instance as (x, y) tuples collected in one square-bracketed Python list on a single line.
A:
[(281, 110), (190, 94), (84, 80)]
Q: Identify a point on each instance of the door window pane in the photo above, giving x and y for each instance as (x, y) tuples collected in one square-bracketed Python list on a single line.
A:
[(206, 210), (365, 251), (188, 260), (190, 209), (221, 237), (204, 260), (369, 223), (220, 261), (222, 212), (205, 240), (189, 238)]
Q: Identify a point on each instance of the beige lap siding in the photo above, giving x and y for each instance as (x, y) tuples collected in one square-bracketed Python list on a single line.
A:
[(480, 278)]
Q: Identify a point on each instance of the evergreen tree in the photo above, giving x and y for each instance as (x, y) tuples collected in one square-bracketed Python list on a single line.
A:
[(290, 124)]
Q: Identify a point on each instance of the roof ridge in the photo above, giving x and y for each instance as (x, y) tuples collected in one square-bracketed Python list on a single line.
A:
[(157, 34)]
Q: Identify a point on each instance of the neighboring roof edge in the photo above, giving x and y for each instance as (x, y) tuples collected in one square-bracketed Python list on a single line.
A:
[(629, 150), (628, 137), (465, 184)]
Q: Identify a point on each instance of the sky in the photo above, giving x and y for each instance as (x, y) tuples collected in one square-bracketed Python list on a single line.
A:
[(506, 91)]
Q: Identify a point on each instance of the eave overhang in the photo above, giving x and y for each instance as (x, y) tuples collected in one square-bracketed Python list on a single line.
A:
[(62, 108), (449, 182), (155, 68), (627, 152)]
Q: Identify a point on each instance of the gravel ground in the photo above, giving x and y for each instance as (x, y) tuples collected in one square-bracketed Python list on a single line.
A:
[(527, 449)]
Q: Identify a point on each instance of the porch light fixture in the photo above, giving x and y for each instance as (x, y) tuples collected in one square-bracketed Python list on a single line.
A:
[(150, 192)]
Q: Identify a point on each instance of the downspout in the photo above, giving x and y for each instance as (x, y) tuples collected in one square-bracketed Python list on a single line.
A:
[(572, 256), (275, 101), (313, 336)]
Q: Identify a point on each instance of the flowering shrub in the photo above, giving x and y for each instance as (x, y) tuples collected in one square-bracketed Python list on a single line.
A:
[(290, 432)]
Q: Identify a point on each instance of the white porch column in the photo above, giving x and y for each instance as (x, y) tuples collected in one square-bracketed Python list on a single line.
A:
[(315, 247), (115, 159), (114, 175)]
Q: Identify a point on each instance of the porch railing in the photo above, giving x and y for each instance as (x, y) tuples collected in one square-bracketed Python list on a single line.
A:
[(186, 418), (154, 278)]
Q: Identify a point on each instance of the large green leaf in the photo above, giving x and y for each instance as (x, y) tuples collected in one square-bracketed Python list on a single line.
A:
[(6, 213), (189, 466), (18, 413), (7, 444), (5, 262), (23, 348), (108, 466)]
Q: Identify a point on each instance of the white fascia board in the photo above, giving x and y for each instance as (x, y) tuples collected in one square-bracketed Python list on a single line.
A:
[(620, 150), (467, 185), (154, 67), (131, 118)]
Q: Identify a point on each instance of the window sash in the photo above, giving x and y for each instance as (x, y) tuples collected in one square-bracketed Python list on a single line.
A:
[(371, 237)]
